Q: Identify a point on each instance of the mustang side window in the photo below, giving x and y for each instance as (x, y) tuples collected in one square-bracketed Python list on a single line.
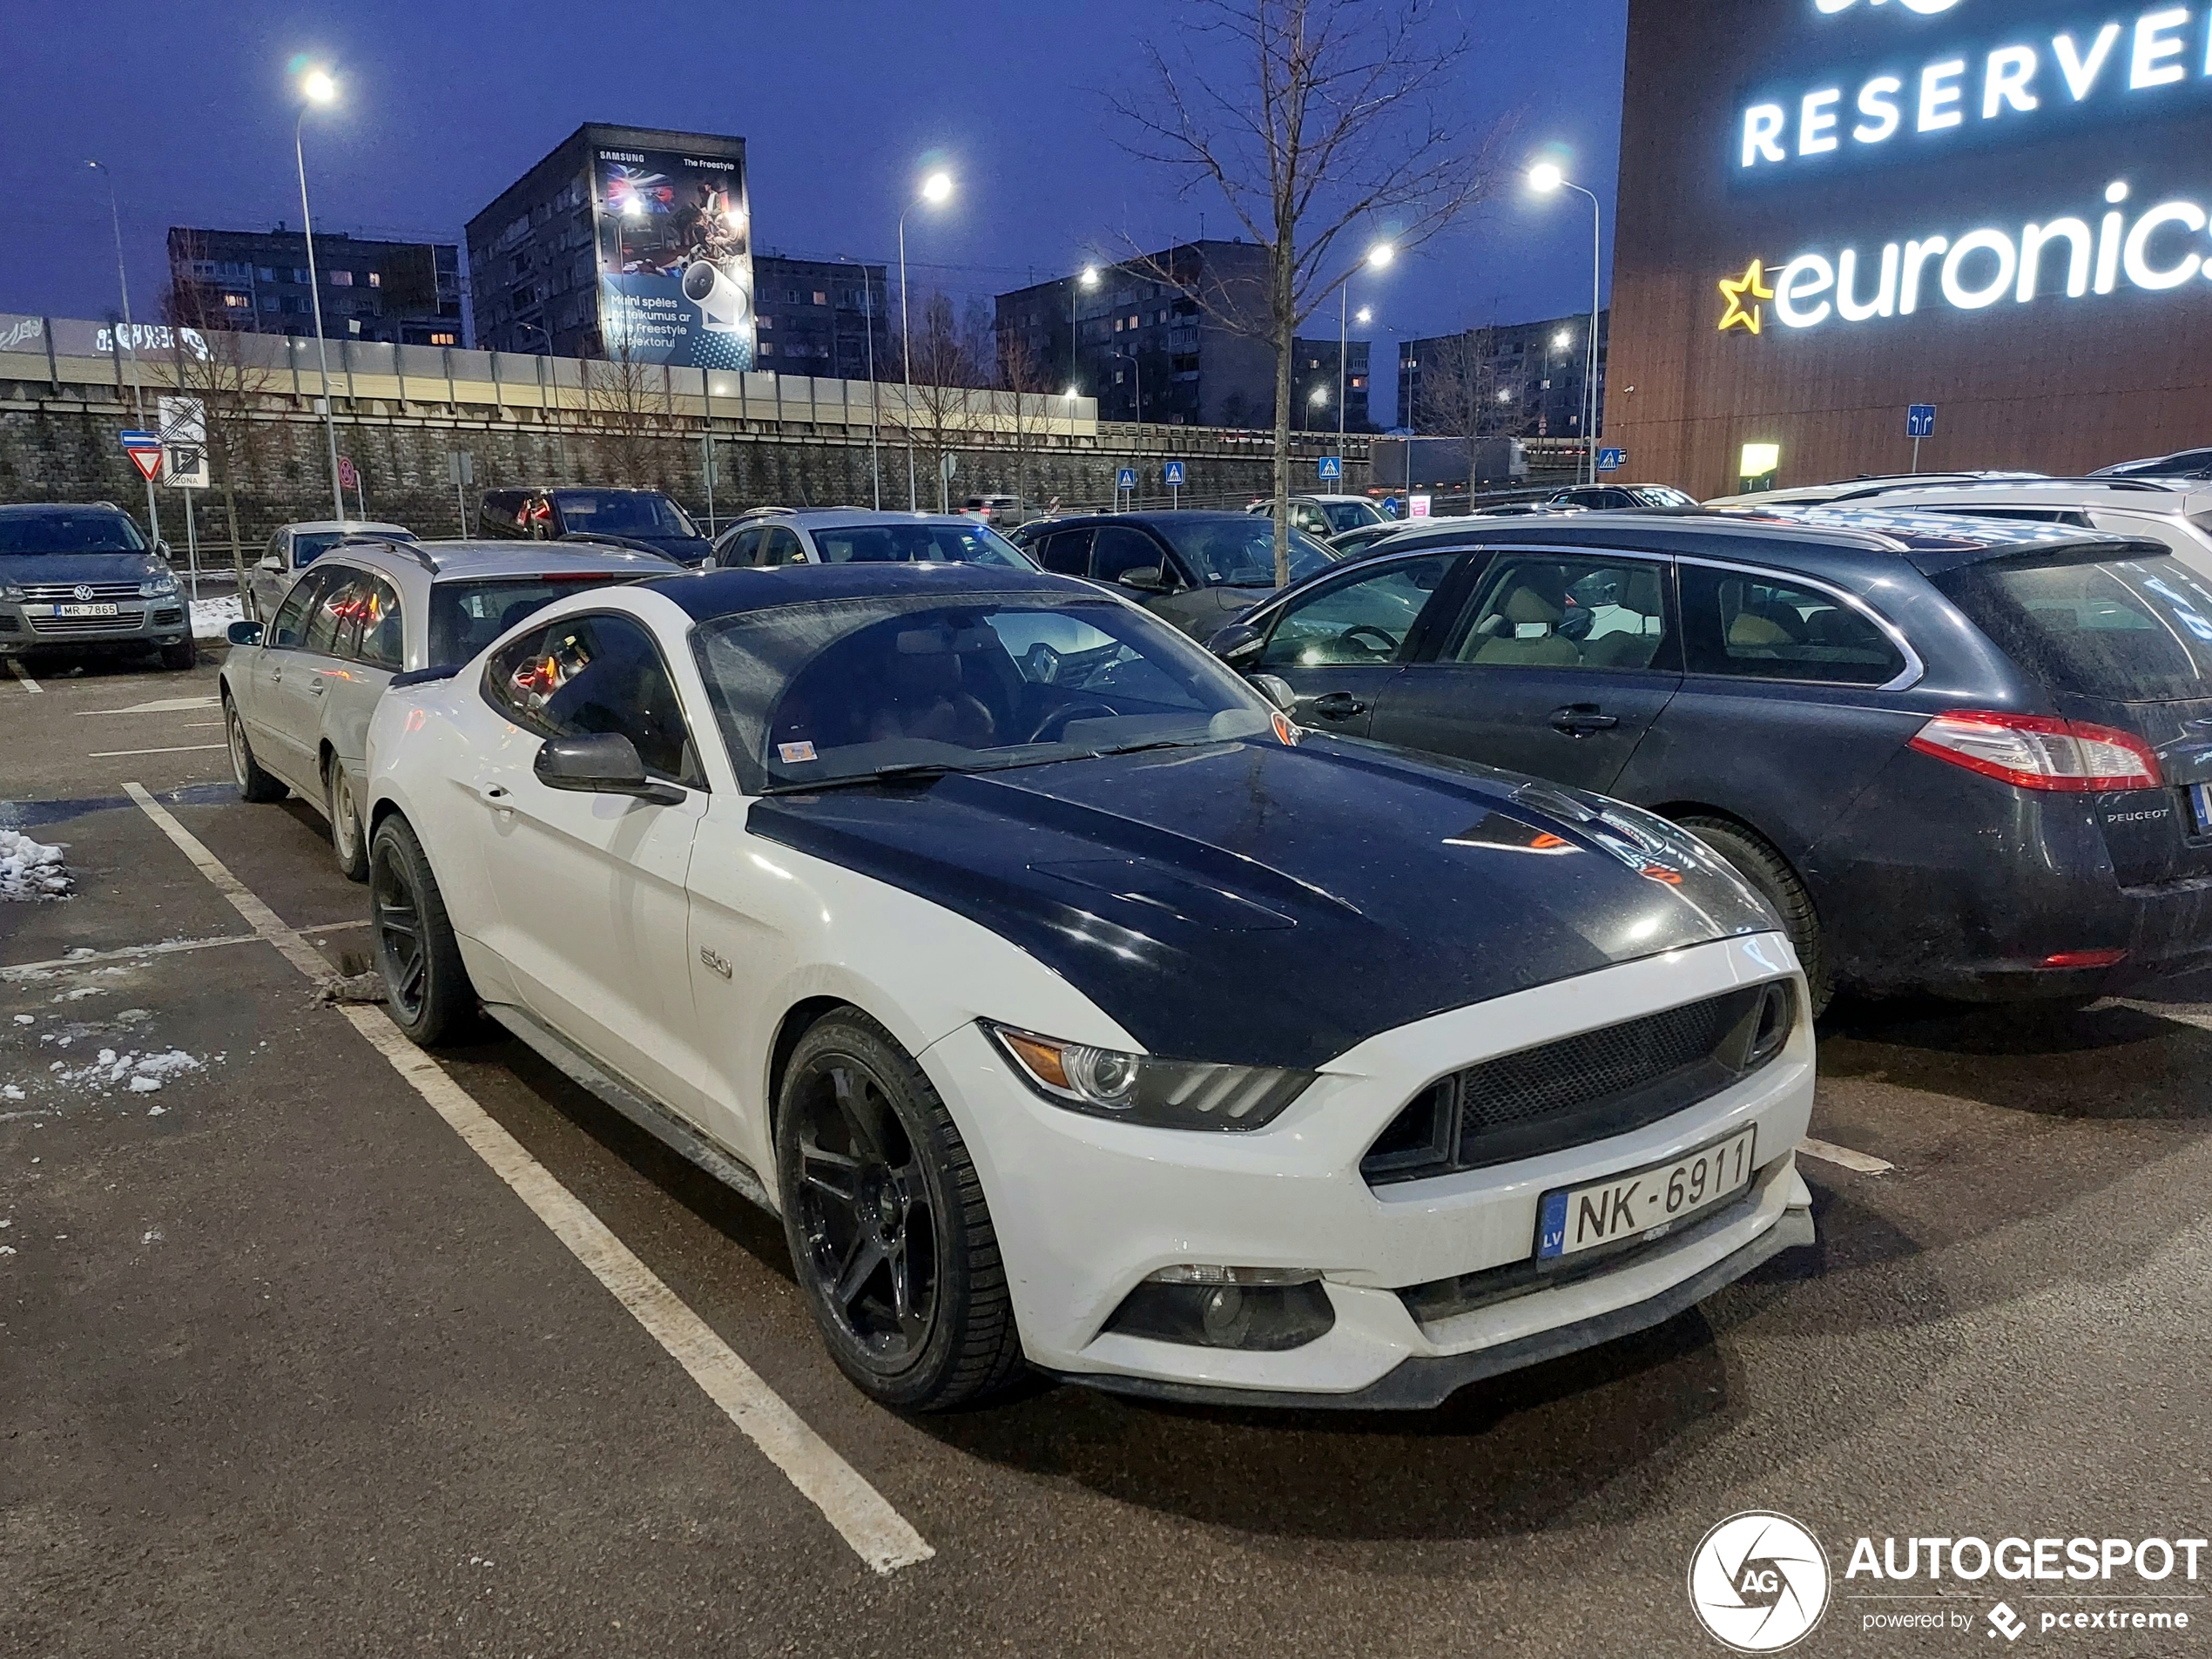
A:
[(1361, 621), (592, 674), (1571, 613), (1763, 627)]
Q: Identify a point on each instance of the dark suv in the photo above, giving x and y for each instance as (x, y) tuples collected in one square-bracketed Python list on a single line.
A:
[(1195, 569), (1957, 755), (80, 578), (641, 518)]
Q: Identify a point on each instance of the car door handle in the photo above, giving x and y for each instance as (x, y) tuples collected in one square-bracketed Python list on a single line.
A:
[(315, 685), (1582, 719), (276, 676), (1339, 706), (494, 795)]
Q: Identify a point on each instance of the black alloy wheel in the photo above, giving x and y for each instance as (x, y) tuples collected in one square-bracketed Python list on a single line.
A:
[(426, 987), (886, 1222)]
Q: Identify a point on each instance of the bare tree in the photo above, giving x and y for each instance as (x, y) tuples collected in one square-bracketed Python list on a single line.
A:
[(950, 363), (1022, 376), (627, 399), (213, 360), (1464, 396), (1331, 126)]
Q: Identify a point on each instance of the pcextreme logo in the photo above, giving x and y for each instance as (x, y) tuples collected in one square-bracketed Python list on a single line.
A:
[(1758, 1582)]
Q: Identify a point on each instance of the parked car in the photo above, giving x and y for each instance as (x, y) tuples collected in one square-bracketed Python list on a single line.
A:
[(847, 534), (2182, 463), (80, 577), (1001, 512), (2175, 512), (1069, 1010), (1197, 569), (1957, 755), (1357, 543), (293, 549), (1844, 489), (298, 693), (1323, 517), (640, 518), (1619, 497)]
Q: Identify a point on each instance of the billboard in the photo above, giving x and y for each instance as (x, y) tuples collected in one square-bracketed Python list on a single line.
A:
[(675, 255)]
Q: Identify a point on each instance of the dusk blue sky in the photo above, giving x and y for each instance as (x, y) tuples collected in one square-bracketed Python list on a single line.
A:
[(840, 104)]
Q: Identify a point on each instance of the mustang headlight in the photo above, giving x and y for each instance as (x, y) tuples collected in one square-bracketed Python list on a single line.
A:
[(1139, 1088), (157, 587)]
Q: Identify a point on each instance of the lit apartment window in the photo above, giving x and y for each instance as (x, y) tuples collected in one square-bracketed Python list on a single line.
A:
[(445, 339), (340, 279), (237, 302), (1117, 325), (375, 278), (820, 298)]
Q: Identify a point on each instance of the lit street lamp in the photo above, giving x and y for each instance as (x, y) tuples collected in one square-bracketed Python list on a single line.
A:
[(1545, 178), (1378, 259), (130, 338), (1088, 279), (316, 87), (936, 190)]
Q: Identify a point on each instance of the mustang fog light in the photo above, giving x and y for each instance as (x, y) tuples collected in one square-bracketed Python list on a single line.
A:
[(1140, 1088), (1264, 1309)]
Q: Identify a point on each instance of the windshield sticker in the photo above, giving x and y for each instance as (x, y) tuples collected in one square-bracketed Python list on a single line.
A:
[(793, 753)]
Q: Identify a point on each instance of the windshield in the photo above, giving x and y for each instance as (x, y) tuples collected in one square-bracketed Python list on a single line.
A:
[(623, 512), (101, 531), (845, 690), (1238, 552), (1349, 515), (917, 544), (465, 616), (2136, 631)]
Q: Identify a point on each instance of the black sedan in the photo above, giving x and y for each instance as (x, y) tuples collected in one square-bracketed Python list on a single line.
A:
[(1195, 569), (1962, 756)]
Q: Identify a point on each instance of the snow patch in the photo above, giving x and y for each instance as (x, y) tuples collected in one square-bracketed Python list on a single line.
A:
[(212, 618), (31, 869)]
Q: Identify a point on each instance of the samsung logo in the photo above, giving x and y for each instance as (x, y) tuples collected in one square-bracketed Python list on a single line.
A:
[(621, 155)]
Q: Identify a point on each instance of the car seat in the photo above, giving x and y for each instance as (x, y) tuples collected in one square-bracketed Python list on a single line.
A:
[(1524, 607)]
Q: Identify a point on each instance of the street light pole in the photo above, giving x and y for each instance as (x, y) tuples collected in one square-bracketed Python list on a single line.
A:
[(130, 338), (935, 189), (1546, 177), (316, 87)]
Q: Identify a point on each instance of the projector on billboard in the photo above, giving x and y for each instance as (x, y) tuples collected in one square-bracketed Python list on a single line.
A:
[(675, 258)]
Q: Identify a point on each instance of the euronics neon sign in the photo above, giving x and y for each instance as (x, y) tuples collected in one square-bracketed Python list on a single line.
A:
[(2161, 247), (2121, 68)]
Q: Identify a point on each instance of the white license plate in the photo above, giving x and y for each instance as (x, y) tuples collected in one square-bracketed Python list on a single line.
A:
[(1644, 1202), (73, 611)]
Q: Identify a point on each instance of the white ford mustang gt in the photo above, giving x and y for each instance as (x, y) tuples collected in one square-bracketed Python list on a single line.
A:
[(1072, 1008)]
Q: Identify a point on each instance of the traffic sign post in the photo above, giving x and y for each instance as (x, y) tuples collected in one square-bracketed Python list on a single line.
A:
[(1171, 475), (1919, 423), (1124, 480), (144, 450), (1332, 468), (349, 477), (461, 467), (1612, 459)]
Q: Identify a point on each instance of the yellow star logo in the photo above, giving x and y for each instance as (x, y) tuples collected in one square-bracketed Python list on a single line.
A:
[(1753, 282)]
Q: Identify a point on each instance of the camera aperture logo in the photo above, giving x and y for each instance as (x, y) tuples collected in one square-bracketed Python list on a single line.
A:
[(1758, 1582)]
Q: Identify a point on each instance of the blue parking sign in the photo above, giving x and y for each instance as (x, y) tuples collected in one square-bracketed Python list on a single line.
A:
[(1332, 466), (1612, 459), (1126, 479), (1172, 475)]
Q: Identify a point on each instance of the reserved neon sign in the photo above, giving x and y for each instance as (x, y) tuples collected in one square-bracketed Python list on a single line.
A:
[(2123, 66)]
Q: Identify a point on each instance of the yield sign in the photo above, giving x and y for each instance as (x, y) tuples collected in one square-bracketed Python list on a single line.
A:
[(144, 450)]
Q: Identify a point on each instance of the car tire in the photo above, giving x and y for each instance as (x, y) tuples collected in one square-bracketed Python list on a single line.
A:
[(253, 784), (1758, 863), (183, 654), (883, 1210), (426, 984), (347, 840)]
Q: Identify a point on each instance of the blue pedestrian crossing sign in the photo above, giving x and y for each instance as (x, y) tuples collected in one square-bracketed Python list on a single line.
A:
[(1332, 466), (1612, 459), (1171, 474), (1126, 479), (1919, 420)]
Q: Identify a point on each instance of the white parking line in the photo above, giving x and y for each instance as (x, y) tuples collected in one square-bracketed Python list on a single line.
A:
[(1829, 1153), (29, 684), (877, 1533), (182, 749), (166, 947), (159, 705)]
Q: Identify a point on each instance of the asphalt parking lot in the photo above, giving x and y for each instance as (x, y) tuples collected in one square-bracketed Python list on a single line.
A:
[(288, 1366)]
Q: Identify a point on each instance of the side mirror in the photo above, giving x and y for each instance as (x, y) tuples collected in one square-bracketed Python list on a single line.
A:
[(245, 633), (161, 551), (604, 763), (1144, 578), (1236, 643), (1276, 690), (272, 562)]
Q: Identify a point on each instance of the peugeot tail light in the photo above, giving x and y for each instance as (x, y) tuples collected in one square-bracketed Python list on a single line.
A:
[(2040, 751)]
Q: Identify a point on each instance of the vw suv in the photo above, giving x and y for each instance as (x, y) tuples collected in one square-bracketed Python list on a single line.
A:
[(81, 577)]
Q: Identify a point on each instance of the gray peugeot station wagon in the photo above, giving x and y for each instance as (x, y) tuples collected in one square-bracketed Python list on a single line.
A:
[(1957, 755), (82, 579)]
